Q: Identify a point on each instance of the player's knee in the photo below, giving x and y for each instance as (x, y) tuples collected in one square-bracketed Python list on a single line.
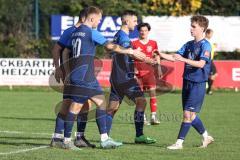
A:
[(113, 107), (75, 108), (112, 110), (187, 117), (152, 92), (141, 103), (102, 105), (193, 116), (85, 107), (65, 106)]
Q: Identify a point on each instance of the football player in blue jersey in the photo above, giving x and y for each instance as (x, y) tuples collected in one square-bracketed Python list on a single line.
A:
[(196, 54), (82, 83), (123, 81), (80, 140)]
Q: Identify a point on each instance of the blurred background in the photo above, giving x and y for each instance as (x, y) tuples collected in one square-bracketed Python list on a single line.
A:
[(25, 25), (30, 28)]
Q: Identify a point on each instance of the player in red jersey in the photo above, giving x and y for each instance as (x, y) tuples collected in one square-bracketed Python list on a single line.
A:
[(146, 73)]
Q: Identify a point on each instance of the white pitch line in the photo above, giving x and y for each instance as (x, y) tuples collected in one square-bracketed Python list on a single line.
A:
[(24, 150), (18, 132)]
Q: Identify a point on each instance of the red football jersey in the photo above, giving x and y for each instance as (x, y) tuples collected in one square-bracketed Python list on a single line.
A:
[(148, 48)]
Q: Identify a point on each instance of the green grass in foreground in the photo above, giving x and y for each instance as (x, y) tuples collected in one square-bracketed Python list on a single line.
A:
[(30, 118)]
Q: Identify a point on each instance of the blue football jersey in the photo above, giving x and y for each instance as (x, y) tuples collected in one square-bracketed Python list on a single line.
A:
[(122, 65), (66, 36), (83, 44), (196, 51)]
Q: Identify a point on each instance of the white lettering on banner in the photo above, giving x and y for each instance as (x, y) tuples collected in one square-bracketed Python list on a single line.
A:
[(67, 22), (108, 22), (26, 71), (236, 74)]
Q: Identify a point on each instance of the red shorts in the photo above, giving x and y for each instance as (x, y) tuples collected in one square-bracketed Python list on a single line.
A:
[(147, 81)]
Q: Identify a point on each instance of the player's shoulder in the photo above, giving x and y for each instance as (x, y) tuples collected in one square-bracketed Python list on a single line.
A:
[(136, 41), (122, 36), (152, 42), (189, 43), (69, 30), (206, 44)]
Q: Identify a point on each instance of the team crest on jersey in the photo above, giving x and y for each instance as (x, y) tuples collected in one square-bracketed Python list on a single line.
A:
[(149, 48), (207, 54)]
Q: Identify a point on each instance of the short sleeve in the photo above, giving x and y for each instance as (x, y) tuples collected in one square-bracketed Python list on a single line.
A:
[(125, 41), (98, 38), (63, 41), (206, 52), (182, 50)]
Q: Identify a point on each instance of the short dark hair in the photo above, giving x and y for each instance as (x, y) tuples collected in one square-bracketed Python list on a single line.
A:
[(201, 21), (82, 15), (128, 13), (208, 31), (144, 25)]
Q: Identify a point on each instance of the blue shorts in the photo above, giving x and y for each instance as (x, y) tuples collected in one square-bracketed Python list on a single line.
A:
[(80, 93), (193, 95), (131, 89), (80, 90)]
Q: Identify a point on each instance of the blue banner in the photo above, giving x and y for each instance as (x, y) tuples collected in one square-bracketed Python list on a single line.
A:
[(108, 26)]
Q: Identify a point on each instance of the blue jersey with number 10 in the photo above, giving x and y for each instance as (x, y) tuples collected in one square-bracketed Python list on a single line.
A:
[(83, 44)]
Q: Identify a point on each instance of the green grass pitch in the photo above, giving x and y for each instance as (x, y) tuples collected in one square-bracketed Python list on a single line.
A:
[(27, 120)]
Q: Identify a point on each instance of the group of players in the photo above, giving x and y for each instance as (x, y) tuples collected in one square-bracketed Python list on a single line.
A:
[(132, 73)]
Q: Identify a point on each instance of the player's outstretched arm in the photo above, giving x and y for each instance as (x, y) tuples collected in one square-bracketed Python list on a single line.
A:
[(56, 51), (129, 51), (169, 57), (198, 64)]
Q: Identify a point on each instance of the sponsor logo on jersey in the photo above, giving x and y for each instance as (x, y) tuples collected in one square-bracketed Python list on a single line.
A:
[(149, 48)]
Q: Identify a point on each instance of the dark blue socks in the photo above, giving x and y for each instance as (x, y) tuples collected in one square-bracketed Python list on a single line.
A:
[(184, 130), (69, 124), (82, 122), (59, 126), (198, 125), (109, 123), (139, 122), (101, 120)]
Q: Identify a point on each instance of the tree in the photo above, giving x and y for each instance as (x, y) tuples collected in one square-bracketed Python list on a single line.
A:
[(171, 7), (220, 7)]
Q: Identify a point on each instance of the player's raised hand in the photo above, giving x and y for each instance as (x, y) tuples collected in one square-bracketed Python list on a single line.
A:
[(58, 74)]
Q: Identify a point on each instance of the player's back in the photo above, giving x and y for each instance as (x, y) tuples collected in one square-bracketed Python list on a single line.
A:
[(122, 65), (83, 51)]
